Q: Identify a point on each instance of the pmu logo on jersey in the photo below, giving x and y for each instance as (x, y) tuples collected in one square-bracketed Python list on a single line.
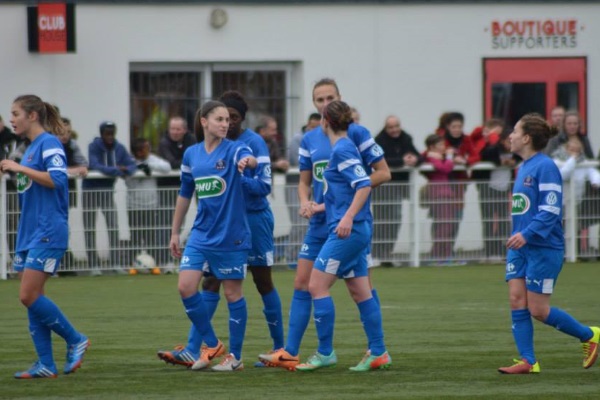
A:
[(520, 204), (319, 169), (23, 182), (220, 165), (209, 186)]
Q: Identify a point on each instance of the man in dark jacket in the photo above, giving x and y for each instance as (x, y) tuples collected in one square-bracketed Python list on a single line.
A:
[(109, 157), (399, 152), (171, 147)]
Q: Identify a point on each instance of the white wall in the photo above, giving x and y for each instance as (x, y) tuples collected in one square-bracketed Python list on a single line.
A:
[(415, 61)]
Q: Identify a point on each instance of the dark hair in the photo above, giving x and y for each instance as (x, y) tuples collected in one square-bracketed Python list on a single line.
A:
[(203, 112), (314, 117), (138, 144), (263, 121), (107, 125), (338, 115), (454, 116), (325, 82), (234, 99), (494, 123), (433, 139), (538, 129), (48, 116)]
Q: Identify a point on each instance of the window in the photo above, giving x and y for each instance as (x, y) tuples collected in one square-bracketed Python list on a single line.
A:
[(163, 90)]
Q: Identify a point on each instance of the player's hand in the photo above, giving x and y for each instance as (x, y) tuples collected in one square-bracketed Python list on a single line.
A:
[(10, 166), (242, 164), (174, 246), (306, 209), (516, 241), (344, 228)]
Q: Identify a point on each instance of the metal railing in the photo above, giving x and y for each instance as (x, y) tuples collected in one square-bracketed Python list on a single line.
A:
[(110, 233)]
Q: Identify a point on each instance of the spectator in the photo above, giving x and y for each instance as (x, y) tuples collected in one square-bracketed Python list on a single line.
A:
[(355, 115), (8, 140), (171, 148), (557, 117), (67, 124), (569, 158), (494, 194), (8, 143), (267, 128), (439, 196), (143, 200), (571, 127), (110, 158), (299, 227), (399, 151)]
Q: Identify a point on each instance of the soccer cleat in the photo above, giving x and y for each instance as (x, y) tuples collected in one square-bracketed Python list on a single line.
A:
[(179, 356), (521, 367), (75, 354), (317, 361), (370, 362), (229, 364), (590, 348), (280, 358), (37, 370), (207, 354)]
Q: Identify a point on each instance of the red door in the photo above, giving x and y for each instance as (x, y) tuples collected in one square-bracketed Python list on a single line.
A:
[(516, 86)]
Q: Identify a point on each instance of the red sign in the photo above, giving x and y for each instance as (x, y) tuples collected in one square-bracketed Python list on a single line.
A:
[(52, 28), (530, 34)]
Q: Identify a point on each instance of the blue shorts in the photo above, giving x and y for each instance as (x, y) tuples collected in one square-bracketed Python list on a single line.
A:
[(539, 266), (346, 258), (45, 260), (311, 247), (261, 225), (221, 264)]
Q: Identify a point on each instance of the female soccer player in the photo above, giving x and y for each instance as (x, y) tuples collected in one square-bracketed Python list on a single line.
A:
[(43, 232), (344, 254), (314, 154), (257, 186), (220, 238), (536, 248)]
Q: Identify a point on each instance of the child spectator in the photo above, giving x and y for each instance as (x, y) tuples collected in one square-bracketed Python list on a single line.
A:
[(142, 200)]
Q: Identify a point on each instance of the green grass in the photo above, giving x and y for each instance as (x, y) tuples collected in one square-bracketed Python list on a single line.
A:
[(448, 329)]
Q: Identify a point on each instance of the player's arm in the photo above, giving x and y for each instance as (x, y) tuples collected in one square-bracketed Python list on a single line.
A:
[(41, 177), (381, 173), (181, 208), (344, 227), (260, 183), (304, 192)]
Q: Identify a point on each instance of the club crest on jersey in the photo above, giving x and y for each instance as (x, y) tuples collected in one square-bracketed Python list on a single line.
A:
[(520, 204), (528, 181), (30, 158), (319, 169), (23, 182), (209, 186), (220, 165)]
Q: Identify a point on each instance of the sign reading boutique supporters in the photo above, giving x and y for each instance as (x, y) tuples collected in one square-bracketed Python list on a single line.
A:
[(534, 34), (51, 28)]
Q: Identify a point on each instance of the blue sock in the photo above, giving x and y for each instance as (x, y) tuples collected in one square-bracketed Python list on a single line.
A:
[(211, 301), (42, 341), (324, 316), (272, 311), (238, 316), (522, 329), (298, 320), (370, 316), (48, 314), (196, 312), (564, 322), (375, 296)]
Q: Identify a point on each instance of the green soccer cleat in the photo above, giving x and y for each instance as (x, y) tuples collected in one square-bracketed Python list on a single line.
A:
[(317, 361), (371, 362)]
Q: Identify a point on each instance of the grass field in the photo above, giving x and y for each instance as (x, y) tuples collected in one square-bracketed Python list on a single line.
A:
[(448, 329)]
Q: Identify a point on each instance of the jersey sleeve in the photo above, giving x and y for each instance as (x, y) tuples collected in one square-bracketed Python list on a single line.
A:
[(350, 166), (187, 180), (370, 151), (258, 181), (55, 162), (549, 203), (304, 160)]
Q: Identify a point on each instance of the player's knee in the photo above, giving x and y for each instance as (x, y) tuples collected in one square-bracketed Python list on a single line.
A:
[(186, 289), (539, 312), (28, 298)]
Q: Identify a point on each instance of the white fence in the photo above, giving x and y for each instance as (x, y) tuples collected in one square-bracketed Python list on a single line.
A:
[(407, 230)]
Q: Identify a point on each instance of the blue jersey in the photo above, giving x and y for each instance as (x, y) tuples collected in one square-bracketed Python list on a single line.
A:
[(537, 203), (314, 154), (44, 221), (214, 179), (257, 181), (344, 175)]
